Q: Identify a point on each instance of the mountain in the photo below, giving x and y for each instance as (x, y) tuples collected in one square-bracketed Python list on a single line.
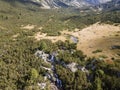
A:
[(99, 4), (113, 5), (67, 3)]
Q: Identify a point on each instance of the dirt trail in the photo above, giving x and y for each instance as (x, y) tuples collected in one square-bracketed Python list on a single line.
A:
[(28, 27)]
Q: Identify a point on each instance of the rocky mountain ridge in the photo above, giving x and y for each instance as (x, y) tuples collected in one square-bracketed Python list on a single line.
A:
[(47, 4)]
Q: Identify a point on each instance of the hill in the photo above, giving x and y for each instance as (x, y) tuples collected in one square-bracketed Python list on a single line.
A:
[(41, 49)]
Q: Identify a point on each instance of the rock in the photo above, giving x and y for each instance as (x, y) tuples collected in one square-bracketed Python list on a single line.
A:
[(42, 85), (82, 68), (72, 67), (115, 47), (42, 55)]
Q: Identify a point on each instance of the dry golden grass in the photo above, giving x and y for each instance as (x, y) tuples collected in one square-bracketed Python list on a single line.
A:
[(94, 37)]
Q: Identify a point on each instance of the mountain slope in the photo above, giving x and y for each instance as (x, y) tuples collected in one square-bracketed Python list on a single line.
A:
[(48, 4), (113, 5), (67, 3)]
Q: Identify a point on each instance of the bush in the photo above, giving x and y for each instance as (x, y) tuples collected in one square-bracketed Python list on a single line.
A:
[(97, 51)]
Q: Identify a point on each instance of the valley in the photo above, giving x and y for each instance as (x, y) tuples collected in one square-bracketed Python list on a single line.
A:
[(59, 48)]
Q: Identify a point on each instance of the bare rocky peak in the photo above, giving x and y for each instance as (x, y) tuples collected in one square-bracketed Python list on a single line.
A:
[(67, 3)]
